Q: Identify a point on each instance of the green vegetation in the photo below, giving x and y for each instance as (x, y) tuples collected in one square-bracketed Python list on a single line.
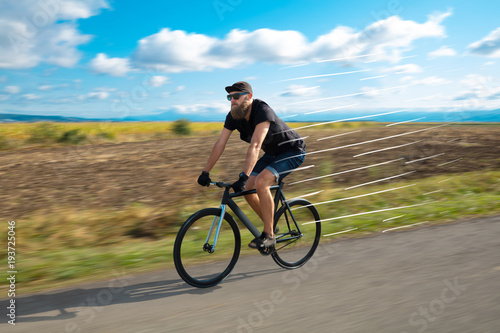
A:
[(71, 246), (72, 137), (46, 134), (43, 133), (4, 143), (182, 127), (49, 133), (106, 136)]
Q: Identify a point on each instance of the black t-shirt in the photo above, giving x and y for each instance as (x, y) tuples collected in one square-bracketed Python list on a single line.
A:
[(280, 137)]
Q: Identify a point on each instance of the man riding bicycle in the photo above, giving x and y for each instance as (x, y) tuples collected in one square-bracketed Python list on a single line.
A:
[(284, 151)]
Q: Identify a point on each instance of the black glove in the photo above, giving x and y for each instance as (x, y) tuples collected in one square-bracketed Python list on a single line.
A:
[(239, 185), (204, 179)]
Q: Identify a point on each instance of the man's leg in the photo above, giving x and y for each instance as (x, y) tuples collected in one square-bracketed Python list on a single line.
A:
[(263, 182), (253, 199)]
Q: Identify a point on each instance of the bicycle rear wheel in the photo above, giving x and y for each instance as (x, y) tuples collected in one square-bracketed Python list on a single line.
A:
[(198, 261), (296, 242)]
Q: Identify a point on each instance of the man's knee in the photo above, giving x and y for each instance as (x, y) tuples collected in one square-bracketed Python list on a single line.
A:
[(264, 180)]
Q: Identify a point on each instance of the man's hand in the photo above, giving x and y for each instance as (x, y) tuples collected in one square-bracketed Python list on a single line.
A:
[(204, 179), (239, 185)]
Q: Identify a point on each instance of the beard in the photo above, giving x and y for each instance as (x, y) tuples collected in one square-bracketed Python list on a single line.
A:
[(239, 112)]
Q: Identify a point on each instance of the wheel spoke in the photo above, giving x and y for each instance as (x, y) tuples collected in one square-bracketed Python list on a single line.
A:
[(297, 242), (196, 260)]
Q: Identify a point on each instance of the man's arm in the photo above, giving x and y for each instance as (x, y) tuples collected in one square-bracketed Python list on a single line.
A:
[(255, 145), (218, 149)]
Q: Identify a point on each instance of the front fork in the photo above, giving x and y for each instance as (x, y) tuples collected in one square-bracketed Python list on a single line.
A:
[(215, 225)]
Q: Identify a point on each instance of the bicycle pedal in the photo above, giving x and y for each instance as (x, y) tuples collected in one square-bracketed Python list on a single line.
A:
[(267, 250)]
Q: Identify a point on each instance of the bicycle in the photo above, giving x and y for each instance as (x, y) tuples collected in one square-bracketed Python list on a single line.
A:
[(213, 235)]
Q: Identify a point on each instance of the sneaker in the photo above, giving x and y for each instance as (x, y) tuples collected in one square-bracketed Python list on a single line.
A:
[(262, 241)]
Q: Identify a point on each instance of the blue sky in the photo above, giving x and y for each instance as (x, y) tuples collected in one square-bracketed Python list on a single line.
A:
[(112, 59)]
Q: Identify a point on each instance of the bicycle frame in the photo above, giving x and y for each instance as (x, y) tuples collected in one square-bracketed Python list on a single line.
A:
[(223, 229), (227, 200)]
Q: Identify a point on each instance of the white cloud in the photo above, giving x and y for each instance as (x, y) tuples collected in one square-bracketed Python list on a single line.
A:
[(488, 46), (100, 95), (370, 92), (48, 11), (105, 89), (479, 87), (443, 51), (476, 81), (158, 81), (403, 69), (45, 87), (464, 95), (34, 32), (385, 39), (406, 79), (205, 109), (432, 81), (12, 89), (112, 66), (31, 97), (78, 9), (296, 90), (48, 87), (177, 51), (177, 90)]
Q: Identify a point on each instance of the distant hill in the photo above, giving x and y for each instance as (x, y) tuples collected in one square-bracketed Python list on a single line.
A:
[(211, 115), (427, 116), (11, 118)]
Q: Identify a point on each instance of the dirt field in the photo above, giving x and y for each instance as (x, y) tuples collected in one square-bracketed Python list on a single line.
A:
[(163, 173)]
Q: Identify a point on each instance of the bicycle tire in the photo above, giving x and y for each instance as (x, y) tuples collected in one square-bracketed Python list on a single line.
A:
[(193, 263), (296, 251)]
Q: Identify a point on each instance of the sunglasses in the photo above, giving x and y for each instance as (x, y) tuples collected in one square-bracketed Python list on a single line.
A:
[(236, 96)]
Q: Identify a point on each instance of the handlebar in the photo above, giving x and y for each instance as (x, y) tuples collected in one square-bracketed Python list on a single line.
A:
[(228, 186), (221, 184)]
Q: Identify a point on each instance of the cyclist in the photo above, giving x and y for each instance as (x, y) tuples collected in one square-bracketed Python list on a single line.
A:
[(284, 150)]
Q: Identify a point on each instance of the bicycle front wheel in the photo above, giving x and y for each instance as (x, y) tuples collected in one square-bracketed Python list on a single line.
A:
[(295, 241), (204, 260)]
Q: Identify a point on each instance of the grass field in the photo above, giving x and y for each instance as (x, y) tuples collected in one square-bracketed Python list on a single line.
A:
[(103, 211), (61, 249), (30, 135)]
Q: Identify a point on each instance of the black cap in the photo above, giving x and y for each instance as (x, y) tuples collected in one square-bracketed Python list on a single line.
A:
[(240, 86)]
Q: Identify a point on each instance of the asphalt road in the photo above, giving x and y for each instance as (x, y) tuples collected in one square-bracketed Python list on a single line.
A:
[(443, 278)]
